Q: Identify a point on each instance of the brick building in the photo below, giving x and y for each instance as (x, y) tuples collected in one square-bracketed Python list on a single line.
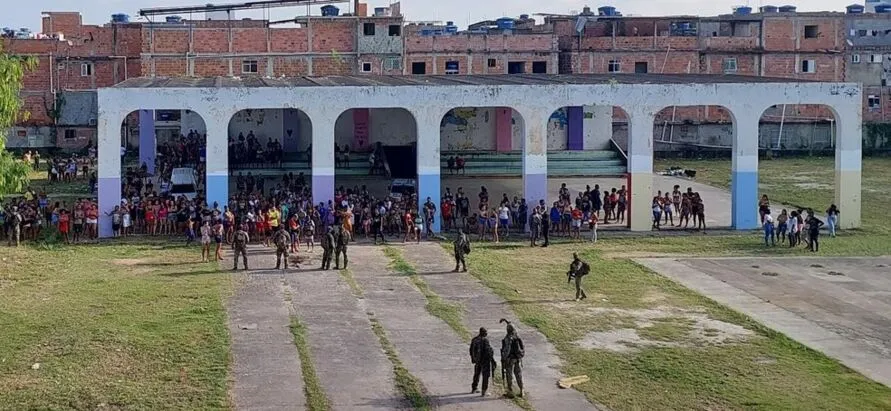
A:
[(827, 46)]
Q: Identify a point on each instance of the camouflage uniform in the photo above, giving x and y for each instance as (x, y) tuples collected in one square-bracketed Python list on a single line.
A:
[(239, 244), (577, 270), (328, 249), (462, 248), (15, 228), (282, 244), (512, 353), (343, 239)]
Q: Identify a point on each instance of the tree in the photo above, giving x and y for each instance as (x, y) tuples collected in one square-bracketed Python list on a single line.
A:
[(13, 172)]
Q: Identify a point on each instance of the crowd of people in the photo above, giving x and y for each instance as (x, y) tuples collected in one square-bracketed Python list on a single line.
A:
[(249, 150), (799, 227)]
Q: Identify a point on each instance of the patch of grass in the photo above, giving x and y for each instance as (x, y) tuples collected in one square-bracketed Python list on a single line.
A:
[(410, 386), (129, 326), (316, 400), (347, 276), (728, 376)]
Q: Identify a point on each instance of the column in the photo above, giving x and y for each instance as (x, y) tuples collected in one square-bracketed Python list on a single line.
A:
[(429, 183), (503, 129), (598, 127), (535, 157), (291, 130), (744, 170), (848, 166), (640, 168), (323, 157), (109, 173), (361, 125), (217, 173), (575, 128), (148, 143)]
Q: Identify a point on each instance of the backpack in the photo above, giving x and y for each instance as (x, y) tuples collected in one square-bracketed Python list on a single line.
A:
[(513, 349)]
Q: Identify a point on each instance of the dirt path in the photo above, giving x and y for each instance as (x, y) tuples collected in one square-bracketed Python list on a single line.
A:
[(427, 346), (484, 309)]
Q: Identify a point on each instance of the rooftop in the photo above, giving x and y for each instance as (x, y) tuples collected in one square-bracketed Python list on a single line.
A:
[(444, 80)]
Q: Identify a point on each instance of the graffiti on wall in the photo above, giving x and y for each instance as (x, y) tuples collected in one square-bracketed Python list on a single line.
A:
[(462, 120), (460, 117), (559, 116)]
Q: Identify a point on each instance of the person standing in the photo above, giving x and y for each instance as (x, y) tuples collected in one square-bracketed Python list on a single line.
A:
[(545, 225), (832, 219), (282, 242), (534, 226), (512, 353), (483, 358), (327, 248), (462, 248), (578, 269), (813, 226), (15, 227), (340, 247), (205, 242), (769, 237), (239, 244)]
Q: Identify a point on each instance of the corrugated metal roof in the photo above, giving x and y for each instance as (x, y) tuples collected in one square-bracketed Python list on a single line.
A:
[(445, 80)]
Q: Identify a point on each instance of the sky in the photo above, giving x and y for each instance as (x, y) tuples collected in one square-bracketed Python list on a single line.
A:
[(462, 12)]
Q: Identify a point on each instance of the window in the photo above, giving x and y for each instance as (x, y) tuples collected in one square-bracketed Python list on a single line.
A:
[(811, 32), (808, 66), (394, 63), (855, 58), (395, 30), (366, 67), (86, 69), (492, 63), (540, 67), (853, 32), (873, 101), (875, 58), (368, 29), (451, 67), (730, 65), (73, 133), (516, 67), (249, 66), (640, 67), (419, 67), (614, 66)]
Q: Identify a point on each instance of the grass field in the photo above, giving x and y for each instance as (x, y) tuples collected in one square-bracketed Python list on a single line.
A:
[(653, 344), (112, 326)]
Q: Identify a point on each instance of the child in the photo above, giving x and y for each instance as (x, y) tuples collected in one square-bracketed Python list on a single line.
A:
[(593, 224)]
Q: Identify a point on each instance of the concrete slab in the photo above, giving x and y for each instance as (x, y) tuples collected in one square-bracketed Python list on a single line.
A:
[(426, 345), (266, 366), (484, 309), (839, 306), (348, 358)]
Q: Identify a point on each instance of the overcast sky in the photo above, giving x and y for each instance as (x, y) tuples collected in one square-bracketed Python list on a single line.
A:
[(462, 12)]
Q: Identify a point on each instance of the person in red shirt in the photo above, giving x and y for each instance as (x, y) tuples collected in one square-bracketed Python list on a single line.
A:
[(64, 219), (409, 222), (446, 210)]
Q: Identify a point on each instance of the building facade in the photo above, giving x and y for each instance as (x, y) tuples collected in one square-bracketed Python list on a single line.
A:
[(824, 46)]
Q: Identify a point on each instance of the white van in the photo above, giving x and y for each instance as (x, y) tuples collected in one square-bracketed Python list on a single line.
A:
[(184, 182)]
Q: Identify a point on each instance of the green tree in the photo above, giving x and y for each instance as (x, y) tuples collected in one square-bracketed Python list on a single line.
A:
[(13, 172)]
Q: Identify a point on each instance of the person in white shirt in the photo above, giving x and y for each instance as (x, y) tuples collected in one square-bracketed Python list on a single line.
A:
[(769, 239), (504, 219)]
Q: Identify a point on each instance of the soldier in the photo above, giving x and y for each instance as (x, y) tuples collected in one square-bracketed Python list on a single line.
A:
[(340, 247), (577, 270), (483, 358), (512, 353), (462, 248), (239, 244), (327, 248), (15, 227), (282, 241)]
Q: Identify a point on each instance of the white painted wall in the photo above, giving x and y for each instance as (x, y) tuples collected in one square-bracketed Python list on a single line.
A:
[(190, 120), (390, 126)]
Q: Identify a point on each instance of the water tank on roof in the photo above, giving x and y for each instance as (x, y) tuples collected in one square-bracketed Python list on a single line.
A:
[(505, 23), (427, 31), (855, 9), (174, 19), (120, 18), (787, 9), (883, 8), (330, 10), (451, 28), (606, 11), (769, 9), (524, 17), (742, 11)]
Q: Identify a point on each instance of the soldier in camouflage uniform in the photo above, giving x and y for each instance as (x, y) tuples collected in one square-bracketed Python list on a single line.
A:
[(239, 244), (328, 241), (282, 244), (577, 270), (343, 239), (462, 248)]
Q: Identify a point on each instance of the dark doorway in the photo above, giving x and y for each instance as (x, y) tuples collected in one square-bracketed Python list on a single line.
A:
[(516, 67), (540, 67), (640, 67), (402, 160), (419, 67)]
